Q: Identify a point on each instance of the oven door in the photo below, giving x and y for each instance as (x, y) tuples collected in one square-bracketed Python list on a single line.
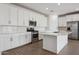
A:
[(35, 37)]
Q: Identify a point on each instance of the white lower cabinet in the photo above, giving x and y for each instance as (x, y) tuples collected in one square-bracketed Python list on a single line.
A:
[(25, 39), (7, 42), (22, 39), (4, 42), (1, 43), (28, 38), (12, 41)]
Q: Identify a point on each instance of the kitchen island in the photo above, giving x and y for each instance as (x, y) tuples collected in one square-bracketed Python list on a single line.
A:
[(54, 42)]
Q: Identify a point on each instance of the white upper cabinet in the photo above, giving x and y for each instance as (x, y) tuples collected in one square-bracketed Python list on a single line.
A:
[(73, 17), (62, 21), (44, 21), (41, 21), (20, 16), (70, 17), (13, 15), (26, 17), (76, 17), (4, 14)]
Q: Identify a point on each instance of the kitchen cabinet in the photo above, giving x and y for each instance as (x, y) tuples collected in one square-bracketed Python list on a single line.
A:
[(4, 14), (4, 42), (13, 15), (28, 37), (38, 20), (1, 43), (15, 42), (75, 17), (69, 18), (9, 41), (26, 17), (20, 17), (25, 38), (41, 21), (22, 39), (62, 21), (8, 14)]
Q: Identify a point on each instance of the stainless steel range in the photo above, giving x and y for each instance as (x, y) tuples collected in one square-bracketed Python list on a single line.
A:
[(34, 34)]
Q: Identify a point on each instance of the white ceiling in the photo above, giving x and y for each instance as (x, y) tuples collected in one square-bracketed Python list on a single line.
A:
[(59, 9)]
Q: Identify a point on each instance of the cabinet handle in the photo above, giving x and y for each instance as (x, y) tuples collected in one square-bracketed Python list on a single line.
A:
[(25, 36), (11, 39), (9, 22)]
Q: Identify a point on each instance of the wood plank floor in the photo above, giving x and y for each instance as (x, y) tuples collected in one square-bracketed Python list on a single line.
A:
[(71, 49), (31, 49), (36, 49)]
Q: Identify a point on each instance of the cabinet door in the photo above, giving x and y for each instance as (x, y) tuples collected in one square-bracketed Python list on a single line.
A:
[(26, 18), (13, 15), (6, 43), (76, 17), (41, 21), (62, 21), (14, 41), (20, 17), (69, 18), (4, 14), (1, 43), (28, 38), (22, 39), (44, 21)]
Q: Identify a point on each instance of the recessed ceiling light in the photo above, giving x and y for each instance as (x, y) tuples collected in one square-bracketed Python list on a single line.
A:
[(47, 8), (59, 4)]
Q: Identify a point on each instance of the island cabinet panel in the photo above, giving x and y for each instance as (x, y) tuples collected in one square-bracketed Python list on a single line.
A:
[(54, 42)]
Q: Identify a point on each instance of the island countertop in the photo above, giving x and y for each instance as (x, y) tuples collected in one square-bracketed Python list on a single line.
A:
[(56, 33)]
